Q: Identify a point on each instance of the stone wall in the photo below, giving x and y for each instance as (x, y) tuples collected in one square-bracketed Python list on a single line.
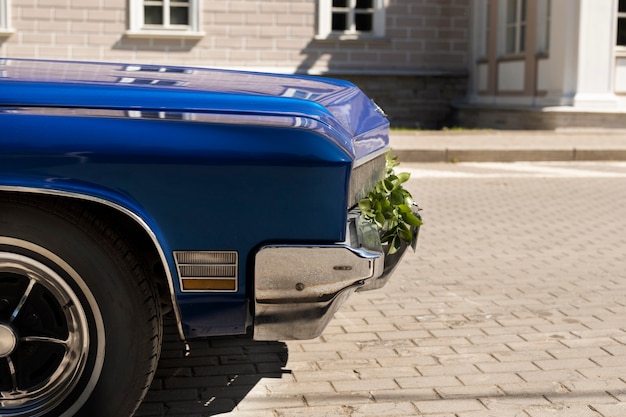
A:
[(415, 101), (551, 118), (273, 35)]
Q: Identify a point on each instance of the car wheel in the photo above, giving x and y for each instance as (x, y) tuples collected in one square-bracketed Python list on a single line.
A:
[(80, 325)]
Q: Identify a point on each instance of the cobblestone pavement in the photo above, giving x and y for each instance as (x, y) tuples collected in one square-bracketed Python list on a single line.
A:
[(513, 306)]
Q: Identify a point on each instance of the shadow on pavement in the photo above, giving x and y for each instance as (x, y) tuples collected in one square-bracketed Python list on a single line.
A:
[(210, 377)]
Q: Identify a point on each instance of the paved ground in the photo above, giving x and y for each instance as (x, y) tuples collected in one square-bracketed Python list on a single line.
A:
[(513, 306)]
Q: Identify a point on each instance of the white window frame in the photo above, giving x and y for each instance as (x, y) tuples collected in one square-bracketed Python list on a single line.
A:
[(519, 27), (325, 16), (5, 18), (139, 29)]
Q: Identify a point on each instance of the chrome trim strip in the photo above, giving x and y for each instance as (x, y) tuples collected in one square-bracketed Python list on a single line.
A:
[(128, 213), (371, 156)]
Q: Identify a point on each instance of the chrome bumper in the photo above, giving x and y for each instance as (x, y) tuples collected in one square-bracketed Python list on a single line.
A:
[(298, 288)]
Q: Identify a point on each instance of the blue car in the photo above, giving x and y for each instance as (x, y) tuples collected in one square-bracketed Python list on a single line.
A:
[(127, 192)]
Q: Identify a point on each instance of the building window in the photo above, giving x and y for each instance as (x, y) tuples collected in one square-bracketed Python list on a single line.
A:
[(166, 13), (515, 27), (5, 21), (165, 18), (621, 23), (482, 23), (351, 19), (544, 15)]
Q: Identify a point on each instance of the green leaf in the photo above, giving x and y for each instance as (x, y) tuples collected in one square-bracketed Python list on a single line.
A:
[(394, 245), (397, 197), (388, 184), (365, 205), (403, 208), (405, 233), (404, 177), (411, 219), (388, 206)]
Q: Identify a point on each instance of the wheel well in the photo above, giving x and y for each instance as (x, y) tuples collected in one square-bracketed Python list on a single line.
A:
[(130, 231)]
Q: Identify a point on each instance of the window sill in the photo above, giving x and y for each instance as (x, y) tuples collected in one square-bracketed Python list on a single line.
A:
[(165, 34), (333, 37), (512, 57), (6, 32)]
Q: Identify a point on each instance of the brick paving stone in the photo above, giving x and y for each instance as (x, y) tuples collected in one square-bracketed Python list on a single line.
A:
[(584, 397), (380, 353), (385, 409), (323, 399), (453, 369), (295, 388), (325, 364), (488, 413), (470, 391), (611, 410), (364, 385), (407, 361), (574, 410), (521, 402), (533, 388), (503, 367), (558, 375), (273, 402), (371, 373), (573, 363), (513, 306), (453, 405), (428, 381), (482, 379), (398, 395), (337, 375)]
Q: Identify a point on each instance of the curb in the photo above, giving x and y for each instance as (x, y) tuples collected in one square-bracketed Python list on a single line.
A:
[(508, 155)]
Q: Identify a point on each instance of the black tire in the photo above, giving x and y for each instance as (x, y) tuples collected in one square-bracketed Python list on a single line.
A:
[(80, 322)]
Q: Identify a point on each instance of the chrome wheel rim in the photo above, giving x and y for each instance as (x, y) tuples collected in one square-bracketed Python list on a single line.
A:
[(44, 336)]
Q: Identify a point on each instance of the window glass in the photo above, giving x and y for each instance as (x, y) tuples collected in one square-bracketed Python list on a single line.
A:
[(153, 15), (511, 11), (179, 16), (340, 21), (621, 31), (364, 22), (515, 41), (621, 23), (510, 40)]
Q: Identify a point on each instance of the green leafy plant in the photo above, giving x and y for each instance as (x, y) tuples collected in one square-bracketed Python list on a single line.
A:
[(389, 206)]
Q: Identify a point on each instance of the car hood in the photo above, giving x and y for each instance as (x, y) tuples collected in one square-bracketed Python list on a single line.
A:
[(339, 105)]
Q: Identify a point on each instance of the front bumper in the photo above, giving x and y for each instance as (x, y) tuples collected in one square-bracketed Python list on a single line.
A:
[(298, 288)]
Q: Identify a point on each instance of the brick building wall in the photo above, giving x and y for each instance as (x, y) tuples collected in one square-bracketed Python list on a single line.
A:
[(425, 41)]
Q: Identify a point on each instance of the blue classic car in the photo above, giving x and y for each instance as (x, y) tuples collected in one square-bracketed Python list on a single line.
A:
[(127, 192)]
